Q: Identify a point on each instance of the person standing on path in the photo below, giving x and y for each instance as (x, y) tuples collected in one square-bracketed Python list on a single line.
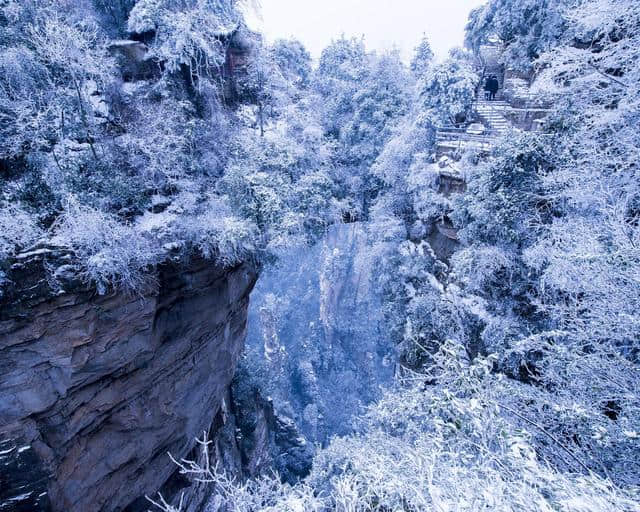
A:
[(487, 88), (493, 86)]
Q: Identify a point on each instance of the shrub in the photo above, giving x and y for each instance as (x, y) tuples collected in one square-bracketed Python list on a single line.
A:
[(18, 230), (112, 255), (454, 444), (218, 234), (186, 33)]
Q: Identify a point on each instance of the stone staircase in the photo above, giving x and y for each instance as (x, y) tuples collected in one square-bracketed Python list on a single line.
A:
[(492, 114)]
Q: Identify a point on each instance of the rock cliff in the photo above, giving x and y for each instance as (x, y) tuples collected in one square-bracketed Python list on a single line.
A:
[(95, 390)]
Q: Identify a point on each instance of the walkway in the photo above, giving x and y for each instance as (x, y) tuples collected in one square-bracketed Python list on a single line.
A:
[(492, 115)]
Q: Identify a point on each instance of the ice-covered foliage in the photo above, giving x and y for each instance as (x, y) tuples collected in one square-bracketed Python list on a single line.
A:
[(507, 204), (588, 253), (266, 493), (448, 90), (203, 107), (284, 182), (550, 229), (377, 102), (422, 58), (450, 445), (526, 28), (18, 230), (293, 59), (186, 32), (410, 143), (516, 336), (218, 234), (363, 96), (112, 254), (49, 68), (518, 353)]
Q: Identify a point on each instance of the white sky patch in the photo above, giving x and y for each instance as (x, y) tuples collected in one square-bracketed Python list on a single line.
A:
[(385, 24)]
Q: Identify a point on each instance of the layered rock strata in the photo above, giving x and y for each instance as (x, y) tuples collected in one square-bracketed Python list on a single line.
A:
[(95, 390)]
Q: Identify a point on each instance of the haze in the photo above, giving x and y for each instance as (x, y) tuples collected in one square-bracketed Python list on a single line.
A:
[(385, 24)]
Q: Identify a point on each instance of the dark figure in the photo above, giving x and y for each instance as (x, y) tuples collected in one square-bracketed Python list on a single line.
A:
[(494, 86), (487, 88)]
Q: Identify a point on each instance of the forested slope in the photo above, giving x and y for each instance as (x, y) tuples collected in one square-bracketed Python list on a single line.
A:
[(506, 275), (131, 130), (519, 380)]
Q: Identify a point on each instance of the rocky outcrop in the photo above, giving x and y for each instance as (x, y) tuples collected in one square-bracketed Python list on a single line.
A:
[(135, 60), (96, 390), (267, 440)]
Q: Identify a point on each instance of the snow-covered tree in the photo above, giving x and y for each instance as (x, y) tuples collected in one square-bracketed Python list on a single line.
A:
[(525, 28), (187, 33), (294, 61), (422, 58), (448, 90), (341, 68), (363, 95)]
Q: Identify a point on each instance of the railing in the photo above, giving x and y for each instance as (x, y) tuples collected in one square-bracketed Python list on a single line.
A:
[(454, 131), (532, 110), (455, 134)]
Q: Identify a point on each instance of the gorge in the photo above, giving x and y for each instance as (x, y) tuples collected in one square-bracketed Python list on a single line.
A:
[(236, 277)]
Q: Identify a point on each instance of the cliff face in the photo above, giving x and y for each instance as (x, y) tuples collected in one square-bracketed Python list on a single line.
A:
[(95, 390)]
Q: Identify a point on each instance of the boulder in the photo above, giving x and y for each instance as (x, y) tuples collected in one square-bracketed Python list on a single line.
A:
[(134, 51), (136, 61)]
